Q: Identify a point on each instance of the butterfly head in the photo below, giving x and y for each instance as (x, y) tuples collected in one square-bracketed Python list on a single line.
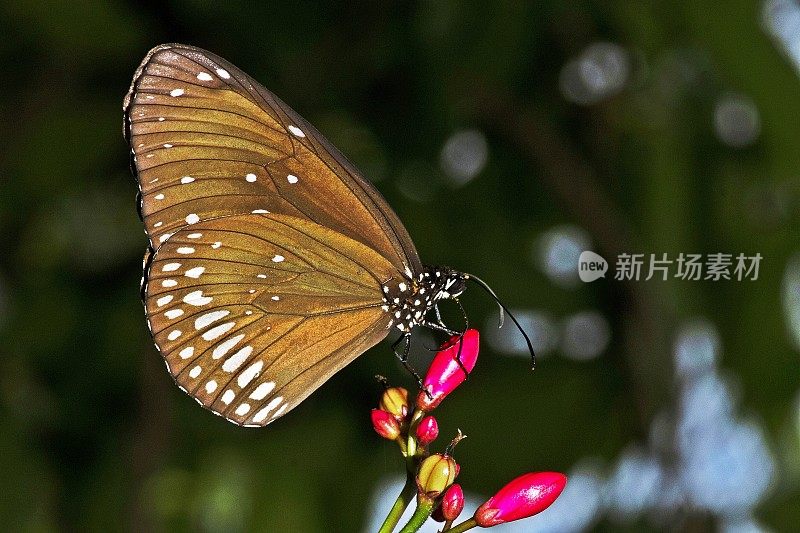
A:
[(444, 282)]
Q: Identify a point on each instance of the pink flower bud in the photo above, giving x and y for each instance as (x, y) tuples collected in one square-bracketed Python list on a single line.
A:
[(385, 424), (524, 496), (394, 400), (445, 372), (452, 504), (427, 430)]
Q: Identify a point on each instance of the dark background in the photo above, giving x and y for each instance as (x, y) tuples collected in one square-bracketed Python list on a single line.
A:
[(508, 137)]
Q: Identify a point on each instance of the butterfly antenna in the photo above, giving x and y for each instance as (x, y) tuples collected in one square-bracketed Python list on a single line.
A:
[(503, 308)]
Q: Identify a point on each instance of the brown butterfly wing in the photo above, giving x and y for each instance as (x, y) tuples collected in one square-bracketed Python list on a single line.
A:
[(209, 141), (252, 313)]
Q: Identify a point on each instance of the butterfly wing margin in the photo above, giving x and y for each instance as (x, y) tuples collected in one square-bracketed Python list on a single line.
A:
[(207, 140), (252, 320)]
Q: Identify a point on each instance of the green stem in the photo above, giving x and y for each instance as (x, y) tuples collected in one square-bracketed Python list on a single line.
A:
[(421, 514), (399, 506), (410, 450), (464, 526), (411, 447)]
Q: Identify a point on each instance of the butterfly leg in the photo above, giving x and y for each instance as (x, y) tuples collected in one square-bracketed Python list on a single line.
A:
[(404, 356), (461, 336), (439, 326), (438, 315), (463, 314)]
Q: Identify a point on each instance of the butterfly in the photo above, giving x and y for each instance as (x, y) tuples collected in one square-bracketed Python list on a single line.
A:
[(272, 262)]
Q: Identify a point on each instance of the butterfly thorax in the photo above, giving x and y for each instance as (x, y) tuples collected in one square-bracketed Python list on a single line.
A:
[(409, 298)]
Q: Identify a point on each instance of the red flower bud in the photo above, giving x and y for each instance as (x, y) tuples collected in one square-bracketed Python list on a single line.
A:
[(445, 372), (394, 400), (385, 424), (452, 503), (524, 496), (427, 430), (435, 474)]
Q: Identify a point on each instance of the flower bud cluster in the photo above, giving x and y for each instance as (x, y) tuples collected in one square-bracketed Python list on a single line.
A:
[(414, 429)]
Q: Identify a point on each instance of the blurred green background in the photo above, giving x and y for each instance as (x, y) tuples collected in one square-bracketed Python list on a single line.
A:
[(509, 137)]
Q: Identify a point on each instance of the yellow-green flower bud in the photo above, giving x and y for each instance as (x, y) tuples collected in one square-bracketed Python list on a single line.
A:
[(435, 474)]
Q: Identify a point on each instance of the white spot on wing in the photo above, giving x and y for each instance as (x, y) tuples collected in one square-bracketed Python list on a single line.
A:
[(204, 76), (193, 373), (278, 259), (187, 352), (259, 211), (211, 386), (169, 267), (195, 272), (279, 412), (226, 346), (176, 92), (216, 331), (223, 73), (196, 298), (164, 237), (243, 409), (207, 319), (228, 397), (194, 235), (216, 244), (297, 132), (187, 179), (192, 218), (169, 283), (174, 334), (249, 373), (251, 178), (164, 300), (173, 313), (159, 196), (185, 249), (262, 390), (291, 178), (262, 414), (235, 361)]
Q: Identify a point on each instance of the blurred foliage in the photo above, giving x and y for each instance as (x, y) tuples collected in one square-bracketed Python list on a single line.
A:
[(95, 436)]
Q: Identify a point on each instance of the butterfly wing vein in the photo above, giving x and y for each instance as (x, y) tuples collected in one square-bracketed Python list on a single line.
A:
[(251, 321)]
